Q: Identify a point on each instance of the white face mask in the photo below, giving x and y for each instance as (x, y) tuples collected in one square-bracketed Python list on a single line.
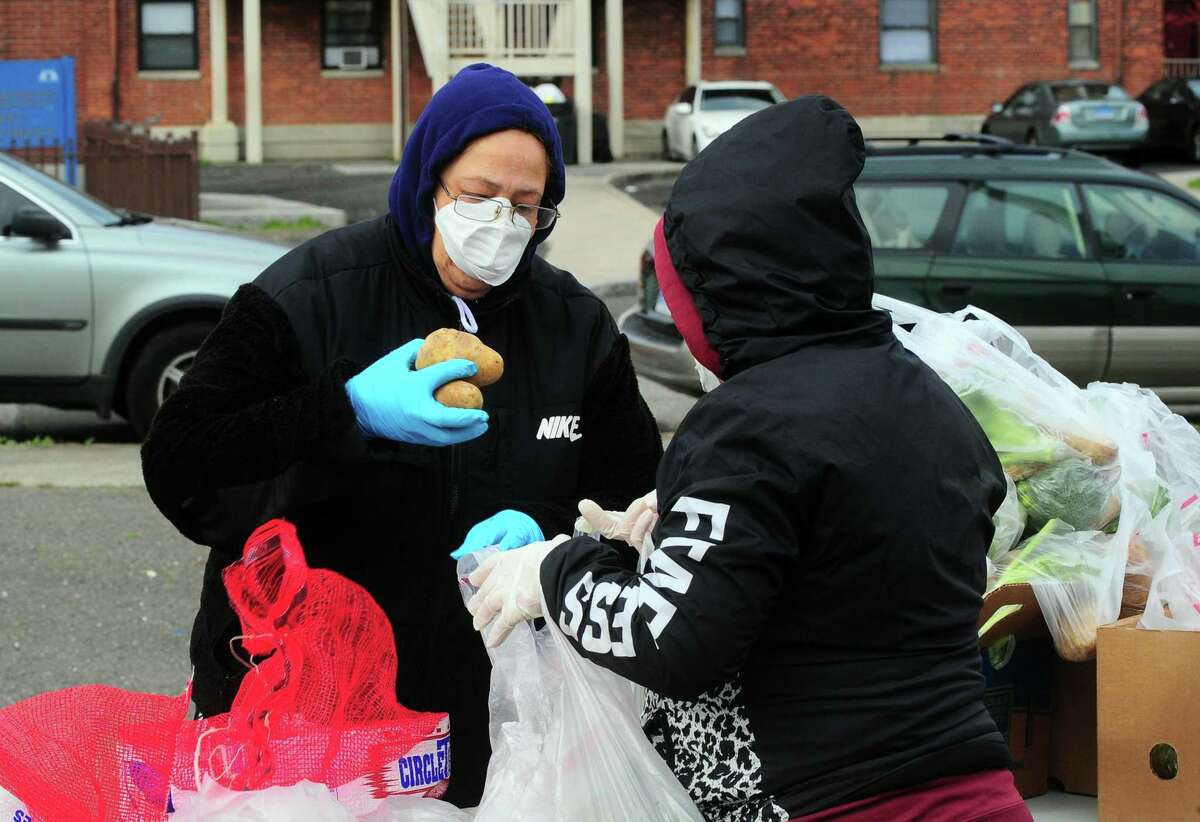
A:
[(708, 380), (489, 252)]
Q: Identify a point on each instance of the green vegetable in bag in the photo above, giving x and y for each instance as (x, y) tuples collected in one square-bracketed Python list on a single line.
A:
[(1074, 491)]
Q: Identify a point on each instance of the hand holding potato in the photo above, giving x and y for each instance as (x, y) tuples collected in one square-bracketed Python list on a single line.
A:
[(450, 344)]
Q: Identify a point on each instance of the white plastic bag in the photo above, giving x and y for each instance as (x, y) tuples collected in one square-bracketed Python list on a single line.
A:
[(1009, 521), (566, 739), (1032, 414), (416, 809), (304, 800)]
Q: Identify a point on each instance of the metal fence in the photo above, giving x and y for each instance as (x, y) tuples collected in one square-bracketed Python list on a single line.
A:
[(505, 29), (125, 168), (56, 159), (1174, 67)]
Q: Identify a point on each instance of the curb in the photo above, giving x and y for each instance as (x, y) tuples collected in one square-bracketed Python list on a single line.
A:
[(618, 289), (619, 181)]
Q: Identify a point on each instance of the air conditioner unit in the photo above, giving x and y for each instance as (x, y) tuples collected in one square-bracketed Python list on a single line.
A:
[(352, 58)]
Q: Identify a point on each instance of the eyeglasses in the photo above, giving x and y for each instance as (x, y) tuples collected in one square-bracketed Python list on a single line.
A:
[(487, 210)]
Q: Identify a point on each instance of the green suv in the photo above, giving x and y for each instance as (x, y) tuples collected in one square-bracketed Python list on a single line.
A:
[(1098, 265)]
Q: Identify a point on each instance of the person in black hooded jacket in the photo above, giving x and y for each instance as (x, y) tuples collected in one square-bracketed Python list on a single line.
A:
[(805, 619), (294, 406)]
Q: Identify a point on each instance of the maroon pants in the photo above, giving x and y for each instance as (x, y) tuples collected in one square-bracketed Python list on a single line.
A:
[(983, 797)]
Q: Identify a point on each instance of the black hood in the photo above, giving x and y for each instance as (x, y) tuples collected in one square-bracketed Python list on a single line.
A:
[(765, 235)]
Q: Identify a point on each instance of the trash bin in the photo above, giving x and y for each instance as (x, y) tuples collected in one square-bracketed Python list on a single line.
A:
[(567, 120), (564, 118)]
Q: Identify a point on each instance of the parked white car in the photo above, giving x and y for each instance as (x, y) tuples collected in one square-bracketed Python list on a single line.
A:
[(703, 112)]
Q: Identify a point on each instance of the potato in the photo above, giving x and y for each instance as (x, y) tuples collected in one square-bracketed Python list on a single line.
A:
[(450, 344), (1098, 452), (459, 394)]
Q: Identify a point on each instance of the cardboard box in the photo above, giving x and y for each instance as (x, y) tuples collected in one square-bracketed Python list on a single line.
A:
[(1010, 610), (1073, 730), (1149, 723), (1018, 694)]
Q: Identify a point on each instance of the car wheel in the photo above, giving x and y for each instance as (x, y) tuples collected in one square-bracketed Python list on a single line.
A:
[(157, 370), (1031, 139), (666, 146)]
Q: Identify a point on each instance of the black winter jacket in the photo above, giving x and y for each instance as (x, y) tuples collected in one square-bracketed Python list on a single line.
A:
[(261, 427), (807, 623)]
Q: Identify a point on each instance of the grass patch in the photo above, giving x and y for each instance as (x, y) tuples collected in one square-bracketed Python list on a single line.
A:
[(31, 442), (10, 484), (303, 224), (1194, 183)]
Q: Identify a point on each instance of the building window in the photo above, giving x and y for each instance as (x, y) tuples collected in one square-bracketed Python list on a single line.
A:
[(351, 34), (167, 36), (906, 31), (1081, 24), (729, 24)]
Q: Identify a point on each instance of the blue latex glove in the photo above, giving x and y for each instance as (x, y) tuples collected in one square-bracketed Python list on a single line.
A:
[(507, 530), (392, 400)]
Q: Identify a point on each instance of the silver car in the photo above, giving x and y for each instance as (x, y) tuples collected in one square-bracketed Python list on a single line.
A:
[(102, 309), (1074, 113)]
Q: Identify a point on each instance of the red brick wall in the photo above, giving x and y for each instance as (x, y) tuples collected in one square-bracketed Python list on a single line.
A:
[(294, 92), (985, 50), (654, 55), (161, 102)]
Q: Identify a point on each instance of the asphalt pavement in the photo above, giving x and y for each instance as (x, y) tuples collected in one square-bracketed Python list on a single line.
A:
[(95, 587)]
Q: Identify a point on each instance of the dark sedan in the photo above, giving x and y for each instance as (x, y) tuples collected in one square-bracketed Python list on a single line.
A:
[(1098, 265), (1174, 108)]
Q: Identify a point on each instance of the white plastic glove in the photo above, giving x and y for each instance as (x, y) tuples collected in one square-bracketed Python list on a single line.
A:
[(634, 526), (509, 589)]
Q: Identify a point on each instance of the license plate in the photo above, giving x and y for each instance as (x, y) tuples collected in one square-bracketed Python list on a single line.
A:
[(1104, 113)]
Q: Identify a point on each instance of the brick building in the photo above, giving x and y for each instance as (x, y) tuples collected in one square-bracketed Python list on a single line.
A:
[(334, 78)]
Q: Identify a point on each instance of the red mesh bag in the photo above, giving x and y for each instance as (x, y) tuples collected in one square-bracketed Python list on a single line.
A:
[(318, 704), (319, 700), (92, 752)]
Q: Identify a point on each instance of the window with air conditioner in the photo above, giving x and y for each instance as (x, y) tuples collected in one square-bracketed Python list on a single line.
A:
[(351, 35)]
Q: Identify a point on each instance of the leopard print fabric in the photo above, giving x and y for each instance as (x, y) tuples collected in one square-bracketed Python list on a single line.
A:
[(709, 746)]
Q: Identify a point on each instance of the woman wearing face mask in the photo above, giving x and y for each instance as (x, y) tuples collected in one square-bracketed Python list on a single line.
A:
[(304, 403)]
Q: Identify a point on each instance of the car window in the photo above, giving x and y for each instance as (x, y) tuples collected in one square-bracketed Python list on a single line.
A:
[(1141, 224), (1014, 101), (1160, 91), (901, 216), (1021, 219), (1071, 92), (10, 201), (1194, 87), (1028, 98), (689, 95), (94, 209), (735, 99)]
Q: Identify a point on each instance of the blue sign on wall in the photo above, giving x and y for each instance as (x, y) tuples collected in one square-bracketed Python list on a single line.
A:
[(37, 106)]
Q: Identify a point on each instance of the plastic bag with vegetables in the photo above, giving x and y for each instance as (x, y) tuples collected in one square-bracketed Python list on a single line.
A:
[(1009, 521), (1033, 416)]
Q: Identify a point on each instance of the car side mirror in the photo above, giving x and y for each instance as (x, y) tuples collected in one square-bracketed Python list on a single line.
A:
[(682, 108), (997, 108), (38, 224)]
